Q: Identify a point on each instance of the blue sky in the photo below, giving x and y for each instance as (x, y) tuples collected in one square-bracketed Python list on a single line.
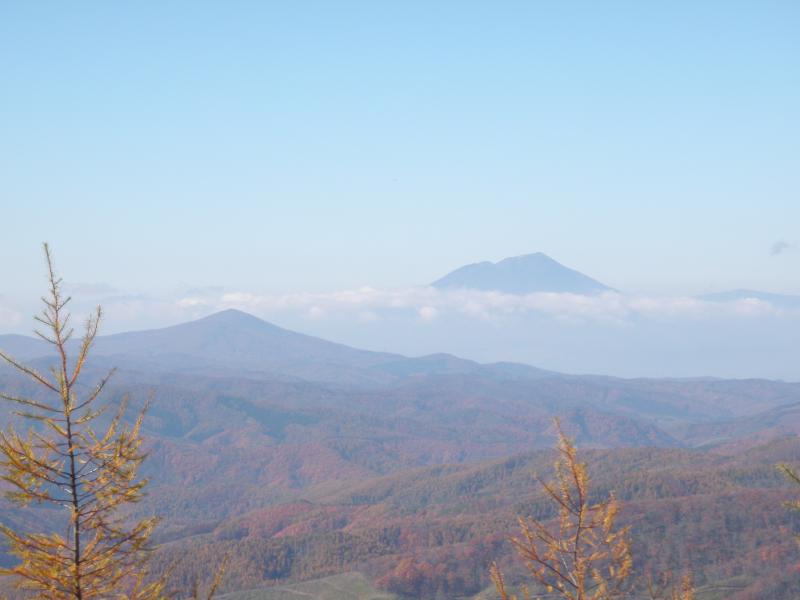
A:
[(314, 146)]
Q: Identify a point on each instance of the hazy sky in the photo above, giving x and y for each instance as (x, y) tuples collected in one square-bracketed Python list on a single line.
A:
[(182, 157)]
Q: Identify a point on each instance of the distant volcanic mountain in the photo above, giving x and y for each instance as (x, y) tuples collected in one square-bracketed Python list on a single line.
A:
[(521, 275), (232, 342)]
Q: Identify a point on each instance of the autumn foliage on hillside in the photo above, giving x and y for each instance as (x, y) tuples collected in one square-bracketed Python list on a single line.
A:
[(586, 556), (434, 532), (295, 481)]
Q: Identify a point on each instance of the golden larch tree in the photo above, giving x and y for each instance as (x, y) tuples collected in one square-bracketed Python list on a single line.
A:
[(584, 556), (63, 461)]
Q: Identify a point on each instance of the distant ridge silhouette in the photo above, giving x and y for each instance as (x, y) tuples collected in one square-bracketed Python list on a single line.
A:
[(522, 275), (232, 342)]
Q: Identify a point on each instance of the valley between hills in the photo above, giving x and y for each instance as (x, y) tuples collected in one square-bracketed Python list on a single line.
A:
[(329, 472)]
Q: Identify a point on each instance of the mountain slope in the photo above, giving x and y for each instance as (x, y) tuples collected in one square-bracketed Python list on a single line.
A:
[(232, 343), (227, 342), (240, 341), (521, 275), (261, 445), (431, 532), (23, 347), (346, 586)]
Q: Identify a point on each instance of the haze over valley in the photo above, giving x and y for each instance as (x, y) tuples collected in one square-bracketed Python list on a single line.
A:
[(270, 437), (399, 300), (529, 309)]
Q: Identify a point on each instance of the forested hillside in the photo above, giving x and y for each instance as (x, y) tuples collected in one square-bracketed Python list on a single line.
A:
[(432, 532), (412, 471)]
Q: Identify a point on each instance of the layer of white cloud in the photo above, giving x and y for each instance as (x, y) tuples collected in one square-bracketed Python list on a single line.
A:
[(626, 335), (9, 317), (429, 303), (424, 304)]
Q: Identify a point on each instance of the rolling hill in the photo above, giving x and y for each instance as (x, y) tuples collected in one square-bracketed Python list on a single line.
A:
[(431, 532), (312, 459)]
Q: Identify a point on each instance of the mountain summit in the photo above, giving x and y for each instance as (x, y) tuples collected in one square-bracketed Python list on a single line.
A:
[(522, 275), (230, 342)]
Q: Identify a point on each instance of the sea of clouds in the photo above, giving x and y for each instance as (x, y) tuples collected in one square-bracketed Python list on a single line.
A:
[(429, 303), (609, 333)]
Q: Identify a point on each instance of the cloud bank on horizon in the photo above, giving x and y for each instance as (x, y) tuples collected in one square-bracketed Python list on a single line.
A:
[(527, 308), (520, 286), (428, 303), (610, 333), (424, 303)]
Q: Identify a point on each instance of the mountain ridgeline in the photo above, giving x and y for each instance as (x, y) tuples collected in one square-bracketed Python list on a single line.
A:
[(305, 459), (525, 274), (539, 273), (238, 350)]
